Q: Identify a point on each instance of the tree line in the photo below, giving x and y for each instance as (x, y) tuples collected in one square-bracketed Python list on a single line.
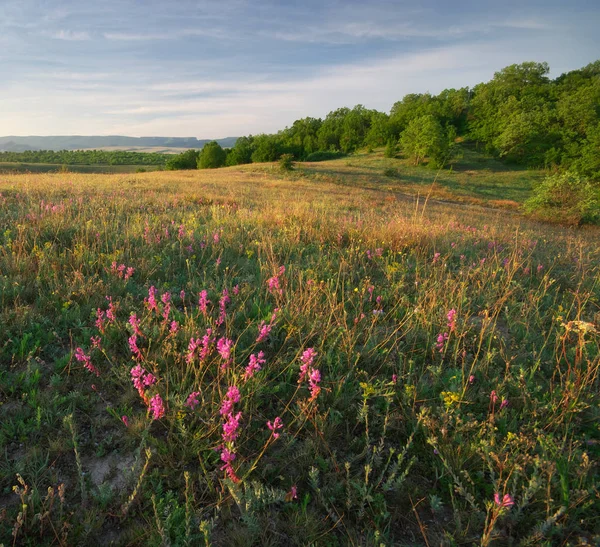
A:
[(520, 116), (85, 157)]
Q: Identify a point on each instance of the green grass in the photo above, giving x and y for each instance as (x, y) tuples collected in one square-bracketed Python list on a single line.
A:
[(404, 444), (472, 177)]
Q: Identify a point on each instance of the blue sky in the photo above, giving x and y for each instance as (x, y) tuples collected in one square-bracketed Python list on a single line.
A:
[(213, 69)]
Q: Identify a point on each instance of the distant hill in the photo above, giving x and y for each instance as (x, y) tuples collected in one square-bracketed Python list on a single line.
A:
[(78, 142)]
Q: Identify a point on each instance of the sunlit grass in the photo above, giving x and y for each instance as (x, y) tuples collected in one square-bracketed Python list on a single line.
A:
[(422, 423)]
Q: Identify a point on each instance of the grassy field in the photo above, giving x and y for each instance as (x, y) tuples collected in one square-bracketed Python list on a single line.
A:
[(472, 178), (364, 368), (9, 167)]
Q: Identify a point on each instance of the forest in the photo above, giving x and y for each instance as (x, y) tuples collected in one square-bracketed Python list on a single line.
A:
[(521, 116)]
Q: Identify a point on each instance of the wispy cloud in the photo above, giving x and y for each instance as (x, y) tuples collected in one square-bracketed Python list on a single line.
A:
[(196, 67), (70, 35)]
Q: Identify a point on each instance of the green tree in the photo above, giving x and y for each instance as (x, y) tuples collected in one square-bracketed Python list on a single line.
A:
[(425, 138), (185, 160), (212, 156), (242, 151)]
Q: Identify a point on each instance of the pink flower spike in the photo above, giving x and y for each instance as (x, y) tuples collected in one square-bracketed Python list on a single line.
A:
[(275, 426), (494, 397), (192, 400), (125, 420), (254, 365), (157, 407)]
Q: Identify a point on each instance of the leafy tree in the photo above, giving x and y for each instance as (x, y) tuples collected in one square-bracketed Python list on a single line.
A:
[(212, 156), (267, 148), (242, 151), (185, 160), (425, 138)]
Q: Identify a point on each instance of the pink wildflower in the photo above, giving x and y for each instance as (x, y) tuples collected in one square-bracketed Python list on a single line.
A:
[(224, 346), (507, 501), (223, 301), (151, 300), (135, 324), (436, 257), (96, 342), (174, 327), (231, 426), (308, 356), (441, 341), (206, 343), (451, 316), (503, 404), (254, 365), (232, 397), (192, 346), (494, 397), (275, 426), (313, 382), (149, 379), (125, 420), (111, 311), (157, 407), (293, 493), (134, 347), (192, 400), (129, 272), (86, 360), (100, 315), (203, 302)]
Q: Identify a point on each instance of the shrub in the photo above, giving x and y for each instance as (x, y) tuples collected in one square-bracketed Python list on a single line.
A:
[(286, 162), (390, 149), (566, 198), (391, 172), (324, 155)]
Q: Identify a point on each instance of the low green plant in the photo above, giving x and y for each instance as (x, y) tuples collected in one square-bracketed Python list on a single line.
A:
[(567, 198)]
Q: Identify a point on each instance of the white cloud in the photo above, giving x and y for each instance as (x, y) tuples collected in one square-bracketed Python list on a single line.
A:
[(70, 35)]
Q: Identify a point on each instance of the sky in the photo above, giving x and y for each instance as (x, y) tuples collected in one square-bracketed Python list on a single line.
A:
[(212, 69)]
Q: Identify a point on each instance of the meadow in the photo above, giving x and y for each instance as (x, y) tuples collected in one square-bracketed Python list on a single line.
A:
[(332, 356)]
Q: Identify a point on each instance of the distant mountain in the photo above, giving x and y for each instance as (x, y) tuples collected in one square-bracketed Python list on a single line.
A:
[(77, 142), (11, 146)]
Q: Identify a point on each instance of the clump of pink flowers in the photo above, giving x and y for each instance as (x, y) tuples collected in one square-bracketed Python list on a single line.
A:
[(86, 360), (192, 400), (141, 379), (224, 346), (232, 397), (203, 302), (122, 271), (230, 433), (254, 365), (265, 329), (223, 301), (307, 371), (157, 407), (274, 283)]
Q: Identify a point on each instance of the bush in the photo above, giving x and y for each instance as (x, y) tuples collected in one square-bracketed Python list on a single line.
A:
[(286, 162), (566, 198), (391, 172), (390, 149), (324, 155)]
